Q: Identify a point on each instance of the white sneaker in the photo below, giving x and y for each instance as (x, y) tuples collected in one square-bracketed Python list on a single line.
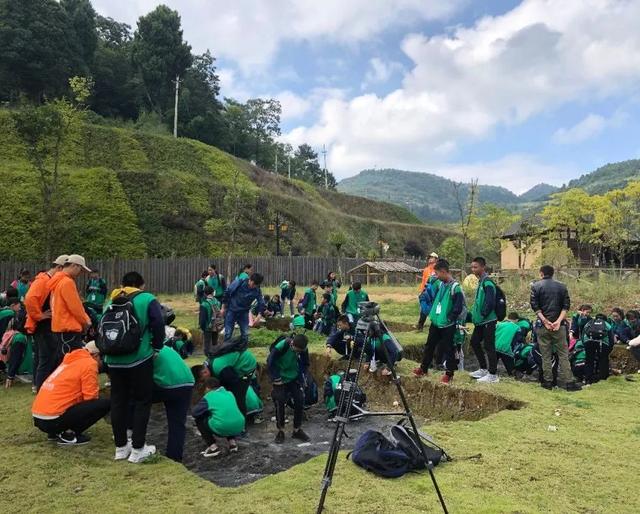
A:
[(123, 452), (479, 373), (142, 454), (489, 379)]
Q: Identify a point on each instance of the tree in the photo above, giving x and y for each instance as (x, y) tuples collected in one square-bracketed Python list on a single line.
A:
[(452, 249), (160, 55), (487, 228), (82, 35), (528, 235), (466, 205), (414, 249), (263, 119), (306, 166), (35, 56), (338, 239)]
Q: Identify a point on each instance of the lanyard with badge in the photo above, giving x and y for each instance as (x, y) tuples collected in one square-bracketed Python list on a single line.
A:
[(440, 297)]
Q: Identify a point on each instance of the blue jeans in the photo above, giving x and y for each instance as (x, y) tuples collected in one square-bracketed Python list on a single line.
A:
[(230, 320)]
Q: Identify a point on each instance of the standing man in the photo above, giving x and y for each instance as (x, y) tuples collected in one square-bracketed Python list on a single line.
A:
[(350, 305), (332, 279), (428, 269), (484, 319), (96, 291), (309, 304), (132, 373), (236, 304), (427, 279), (446, 309), (217, 282), (38, 323), (69, 321), (288, 294), (550, 301)]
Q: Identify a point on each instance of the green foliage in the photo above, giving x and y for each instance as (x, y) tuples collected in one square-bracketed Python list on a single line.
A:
[(557, 254), (452, 249), (608, 177), (487, 229)]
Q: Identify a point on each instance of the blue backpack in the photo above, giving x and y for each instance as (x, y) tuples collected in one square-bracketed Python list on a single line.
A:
[(375, 453), (427, 296)]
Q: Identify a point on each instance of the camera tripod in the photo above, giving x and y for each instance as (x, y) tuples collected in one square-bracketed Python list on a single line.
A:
[(343, 415)]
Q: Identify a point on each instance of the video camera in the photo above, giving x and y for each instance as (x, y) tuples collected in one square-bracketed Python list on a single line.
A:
[(369, 311)]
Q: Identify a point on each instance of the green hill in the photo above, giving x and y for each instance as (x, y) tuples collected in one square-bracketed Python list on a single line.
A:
[(537, 193), (608, 177), (133, 194), (428, 196)]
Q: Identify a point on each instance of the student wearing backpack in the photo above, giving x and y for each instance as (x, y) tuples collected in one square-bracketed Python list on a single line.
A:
[(483, 316), (350, 307), (597, 339), (288, 294), (309, 304), (67, 404), (217, 415), (235, 370), (326, 323), (236, 304), (96, 291), (38, 306), (198, 288), (287, 361), (173, 386), (69, 320), (131, 373), (446, 310), (425, 299), (216, 281), (550, 301), (209, 319)]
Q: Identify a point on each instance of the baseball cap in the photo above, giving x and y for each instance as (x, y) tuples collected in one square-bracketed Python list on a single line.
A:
[(434, 255), (61, 259), (79, 260), (92, 348)]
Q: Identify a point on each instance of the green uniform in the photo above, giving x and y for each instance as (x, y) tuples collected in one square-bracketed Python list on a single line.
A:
[(243, 363), (522, 357), (225, 419), (254, 403), (170, 371), (443, 304), (198, 289), (311, 301), (216, 284), (353, 299), (209, 305), (476, 311), (95, 296), (525, 325), (286, 362), (22, 289), (6, 312), (243, 276), (505, 332), (141, 311), (330, 401), (26, 366)]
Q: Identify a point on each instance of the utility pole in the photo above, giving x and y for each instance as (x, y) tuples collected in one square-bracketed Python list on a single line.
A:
[(289, 166), (278, 227), (324, 155), (276, 162), (175, 109)]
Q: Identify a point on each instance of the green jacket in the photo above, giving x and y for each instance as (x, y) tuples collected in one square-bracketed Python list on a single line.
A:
[(330, 400), (216, 285), (243, 363), (352, 300), (476, 310), (170, 371), (225, 418), (141, 311), (26, 366), (310, 301), (505, 332), (442, 307), (253, 402), (285, 362)]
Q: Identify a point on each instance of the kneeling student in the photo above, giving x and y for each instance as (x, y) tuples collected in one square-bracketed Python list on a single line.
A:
[(375, 353), (67, 404), (508, 338), (341, 339), (286, 363), (217, 415)]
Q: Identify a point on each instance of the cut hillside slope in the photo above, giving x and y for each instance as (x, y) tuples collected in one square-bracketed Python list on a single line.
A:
[(133, 194)]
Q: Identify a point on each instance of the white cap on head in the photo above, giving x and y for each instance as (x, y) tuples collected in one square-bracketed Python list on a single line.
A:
[(61, 259), (92, 348), (434, 255), (79, 260)]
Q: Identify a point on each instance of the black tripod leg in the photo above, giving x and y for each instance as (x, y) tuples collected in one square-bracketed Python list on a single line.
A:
[(405, 404)]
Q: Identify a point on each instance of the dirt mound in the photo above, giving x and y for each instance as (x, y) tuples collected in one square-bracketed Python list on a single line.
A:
[(621, 358)]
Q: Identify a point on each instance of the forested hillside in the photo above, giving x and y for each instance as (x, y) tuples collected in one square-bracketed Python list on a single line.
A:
[(608, 177), (128, 193)]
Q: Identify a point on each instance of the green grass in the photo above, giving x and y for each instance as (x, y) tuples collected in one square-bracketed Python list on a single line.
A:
[(588, 465)]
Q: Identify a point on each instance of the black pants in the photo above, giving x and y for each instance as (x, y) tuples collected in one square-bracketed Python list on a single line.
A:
[(207, 434), (485, 334), (49, 354), (509, 362), (133, 385), (280, 394), (78, 417), (596, 362), (422, 319), (15, 360), (442, 339), (237, 385), (176, 404)]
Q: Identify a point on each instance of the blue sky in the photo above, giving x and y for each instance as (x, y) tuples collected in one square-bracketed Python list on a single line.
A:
[(511, 92)]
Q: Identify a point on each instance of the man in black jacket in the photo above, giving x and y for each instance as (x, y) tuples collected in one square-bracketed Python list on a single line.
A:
[(550, 301)]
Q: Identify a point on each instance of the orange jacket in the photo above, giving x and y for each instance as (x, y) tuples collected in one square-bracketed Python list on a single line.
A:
[(426, 273), (74, 381), (34, 301), (68, 314)]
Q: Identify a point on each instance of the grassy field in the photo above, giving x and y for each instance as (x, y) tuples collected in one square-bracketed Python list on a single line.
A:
[(512, 461)]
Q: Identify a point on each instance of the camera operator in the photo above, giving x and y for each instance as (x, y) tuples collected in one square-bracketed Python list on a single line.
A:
[(341, 339)]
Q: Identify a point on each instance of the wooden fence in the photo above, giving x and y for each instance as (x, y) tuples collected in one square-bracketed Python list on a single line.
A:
[(178, 275)]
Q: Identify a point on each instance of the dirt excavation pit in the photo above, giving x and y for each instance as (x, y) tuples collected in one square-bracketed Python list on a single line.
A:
[(259, 456)]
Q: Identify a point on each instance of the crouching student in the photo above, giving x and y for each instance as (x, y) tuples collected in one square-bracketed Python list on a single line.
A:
[(181, 341), (341, 340), (597, 340), (333, 392), (19, 355), (235, 371), (67, 404), (286, 363), (622, 331), (217, 415), (375, 354), (326, 316), (579, 320), (173, 386), (275, 307), (508, 337)]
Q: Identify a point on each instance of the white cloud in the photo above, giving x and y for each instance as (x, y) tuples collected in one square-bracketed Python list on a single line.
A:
[(293, 105), (380, 71), (501, 71), (589, 127), (251, 31)]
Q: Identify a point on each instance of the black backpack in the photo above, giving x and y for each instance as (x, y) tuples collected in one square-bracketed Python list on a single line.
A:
[(407, 441), (596, 330), (375, 453), (501, 303), (237, 344), (119, 332)]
